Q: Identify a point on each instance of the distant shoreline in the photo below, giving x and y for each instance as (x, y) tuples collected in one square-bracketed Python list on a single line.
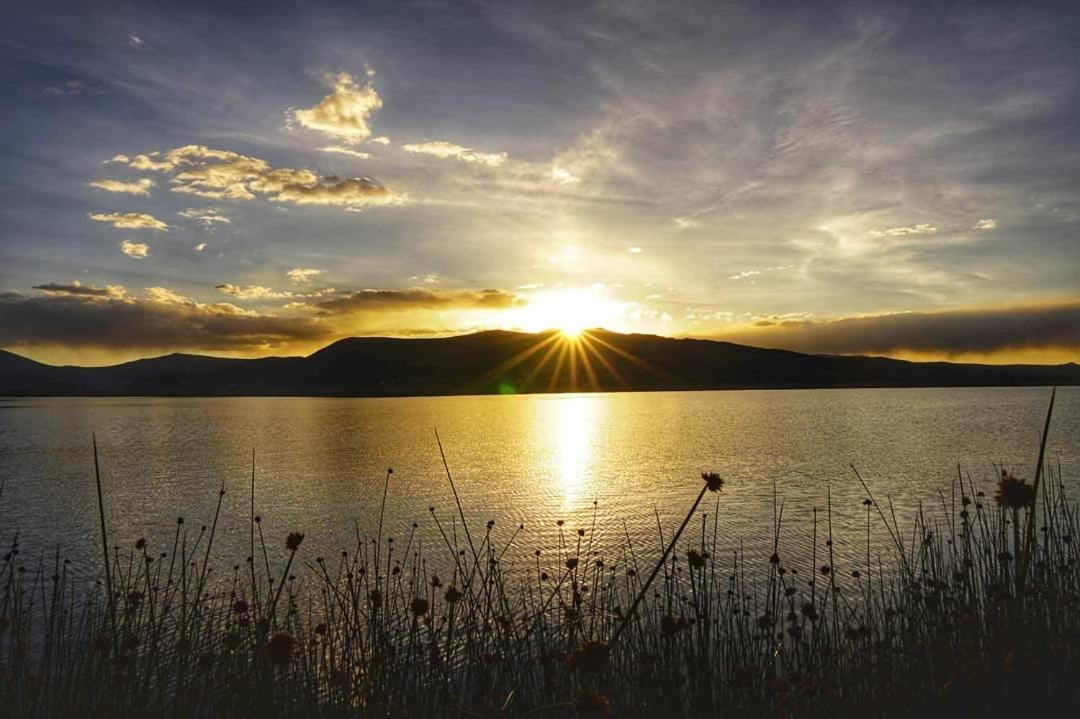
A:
[(526, 394), (497, 362)]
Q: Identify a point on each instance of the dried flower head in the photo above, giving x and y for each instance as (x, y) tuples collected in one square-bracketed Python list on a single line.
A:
[(712, 481), (292, 543), (419, 606), (1013, 493)]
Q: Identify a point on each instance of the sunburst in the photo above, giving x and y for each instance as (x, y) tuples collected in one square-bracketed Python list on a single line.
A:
[(572, 360)]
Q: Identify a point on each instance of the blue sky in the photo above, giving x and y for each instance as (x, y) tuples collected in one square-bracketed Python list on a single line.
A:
[(893, 178)]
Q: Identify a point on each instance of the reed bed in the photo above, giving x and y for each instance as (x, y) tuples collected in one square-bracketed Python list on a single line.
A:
[(974, 607)]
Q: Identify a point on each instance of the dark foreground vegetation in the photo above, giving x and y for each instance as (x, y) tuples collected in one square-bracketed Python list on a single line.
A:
[(976, 610)]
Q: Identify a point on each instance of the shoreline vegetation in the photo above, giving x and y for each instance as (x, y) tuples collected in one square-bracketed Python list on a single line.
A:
[(975, 608)]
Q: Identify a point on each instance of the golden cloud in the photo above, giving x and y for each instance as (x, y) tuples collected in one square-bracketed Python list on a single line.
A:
[(138, 250), (345, 113), (138, 187), (225, 175), (130, 221)]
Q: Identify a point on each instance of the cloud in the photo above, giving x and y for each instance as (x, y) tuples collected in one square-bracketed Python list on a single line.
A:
[(345, 113), (130, 221), (987, 224), (302, 275), (444, 150), (78, 289), (207, 216), (225, 175), (947, 333), (685, 223), (200, 247), (345, 192), (257, 292), (80, 317), (138, 250), (381, 140), (745, 274), (338, 149), (374, 300), (563, 176), (252, 292), (76, 317), (138, 187), (135, 41), (921, 229), (72, 87)]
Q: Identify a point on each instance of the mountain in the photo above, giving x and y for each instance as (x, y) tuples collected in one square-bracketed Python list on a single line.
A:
[(497, 361)]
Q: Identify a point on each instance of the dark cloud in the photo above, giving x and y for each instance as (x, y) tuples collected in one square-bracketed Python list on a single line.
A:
[(78, 290), (85, 317), (376, 300), (76, 316), (957, 332)]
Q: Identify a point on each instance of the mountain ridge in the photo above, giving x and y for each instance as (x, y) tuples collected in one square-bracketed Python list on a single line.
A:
[(500, 361)]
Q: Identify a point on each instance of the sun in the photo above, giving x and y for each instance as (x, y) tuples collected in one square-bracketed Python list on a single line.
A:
[(570, 311)]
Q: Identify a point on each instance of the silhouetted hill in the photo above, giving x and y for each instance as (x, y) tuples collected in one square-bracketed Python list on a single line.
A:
[(492, 362)]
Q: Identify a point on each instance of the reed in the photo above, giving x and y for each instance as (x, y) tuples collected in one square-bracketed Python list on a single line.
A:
[(974, 606)]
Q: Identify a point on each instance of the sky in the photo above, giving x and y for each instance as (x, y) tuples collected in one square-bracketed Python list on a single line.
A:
[(893, 178)]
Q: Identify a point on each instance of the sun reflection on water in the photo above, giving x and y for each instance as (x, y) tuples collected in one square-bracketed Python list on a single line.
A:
[(575, 420)]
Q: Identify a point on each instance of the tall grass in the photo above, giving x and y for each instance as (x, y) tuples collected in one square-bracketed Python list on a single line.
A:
[(975, 607)]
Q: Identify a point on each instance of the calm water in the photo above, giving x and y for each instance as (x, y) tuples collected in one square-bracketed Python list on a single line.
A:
[(320, 463)]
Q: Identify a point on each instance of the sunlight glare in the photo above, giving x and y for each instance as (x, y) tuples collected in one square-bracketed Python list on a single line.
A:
[(570, 311)]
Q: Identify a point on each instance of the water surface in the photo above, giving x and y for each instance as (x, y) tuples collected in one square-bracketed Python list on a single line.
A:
[(320, 464)]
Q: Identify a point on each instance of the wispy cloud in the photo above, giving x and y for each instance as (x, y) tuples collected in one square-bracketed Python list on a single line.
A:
[(339, 150), (72, 87), (444, 150), (206, 215), (138, 187), (920, 229)]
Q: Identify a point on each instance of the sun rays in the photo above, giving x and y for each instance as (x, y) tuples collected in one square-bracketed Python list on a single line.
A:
[(569, 360)]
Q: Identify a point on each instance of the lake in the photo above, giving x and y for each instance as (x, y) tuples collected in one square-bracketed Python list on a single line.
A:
[(320, 465)]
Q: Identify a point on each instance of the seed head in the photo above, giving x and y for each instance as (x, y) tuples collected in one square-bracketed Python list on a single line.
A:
[(293, 541), (712, 481), (1013, 493)]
